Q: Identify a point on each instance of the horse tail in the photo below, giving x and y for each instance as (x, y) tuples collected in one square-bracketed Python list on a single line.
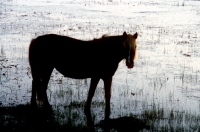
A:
[(34, 61), (34, 58), (30, 55), (33, 55)]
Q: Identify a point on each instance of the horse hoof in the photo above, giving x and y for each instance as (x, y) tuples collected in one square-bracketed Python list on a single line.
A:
[(47, 105)]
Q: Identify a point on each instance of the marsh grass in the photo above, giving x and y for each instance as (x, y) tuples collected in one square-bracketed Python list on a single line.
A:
[(160, 119)]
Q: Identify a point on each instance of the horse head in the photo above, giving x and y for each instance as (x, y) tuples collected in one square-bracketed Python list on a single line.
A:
[(130, 47)]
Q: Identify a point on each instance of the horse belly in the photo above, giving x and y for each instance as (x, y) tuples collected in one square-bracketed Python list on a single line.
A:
[(76, 72)]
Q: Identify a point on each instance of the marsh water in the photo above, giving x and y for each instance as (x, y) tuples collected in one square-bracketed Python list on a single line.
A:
[(166, 74)]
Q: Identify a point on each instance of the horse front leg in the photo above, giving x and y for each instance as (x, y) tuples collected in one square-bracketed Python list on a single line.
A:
[(93, 85), (107, 87)]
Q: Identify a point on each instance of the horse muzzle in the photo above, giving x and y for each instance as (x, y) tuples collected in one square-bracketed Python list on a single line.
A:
[(130, 64)]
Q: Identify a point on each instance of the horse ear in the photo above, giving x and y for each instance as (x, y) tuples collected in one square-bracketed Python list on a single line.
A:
[(124, 34), (135, 35)]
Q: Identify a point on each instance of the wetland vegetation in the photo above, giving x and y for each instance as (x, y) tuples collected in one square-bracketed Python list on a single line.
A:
[(161, 93)]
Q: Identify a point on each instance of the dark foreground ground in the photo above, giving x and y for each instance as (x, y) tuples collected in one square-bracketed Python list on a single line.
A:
[(24, 118)]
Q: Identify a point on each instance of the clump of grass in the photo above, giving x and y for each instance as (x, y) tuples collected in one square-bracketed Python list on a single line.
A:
[(161, 119)]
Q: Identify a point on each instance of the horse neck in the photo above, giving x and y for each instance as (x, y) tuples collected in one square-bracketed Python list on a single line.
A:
[(117, 48)]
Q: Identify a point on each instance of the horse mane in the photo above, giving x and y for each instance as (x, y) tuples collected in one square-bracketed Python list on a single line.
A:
[(105, 35), (102, 37), (135, 56)]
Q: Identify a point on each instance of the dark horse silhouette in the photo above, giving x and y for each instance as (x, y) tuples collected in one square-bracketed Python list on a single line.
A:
[(96, 59)]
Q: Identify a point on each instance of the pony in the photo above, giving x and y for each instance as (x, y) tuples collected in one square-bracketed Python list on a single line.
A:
[(96, 59)]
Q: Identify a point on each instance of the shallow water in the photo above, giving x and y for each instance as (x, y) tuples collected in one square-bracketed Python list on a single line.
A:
[(166, 72)]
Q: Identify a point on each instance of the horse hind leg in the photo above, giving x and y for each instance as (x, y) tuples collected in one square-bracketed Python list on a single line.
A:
[(36, 84), (39, 86), (45, 80)]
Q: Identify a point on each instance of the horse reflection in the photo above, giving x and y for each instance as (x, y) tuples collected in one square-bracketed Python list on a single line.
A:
[(96, 59)]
